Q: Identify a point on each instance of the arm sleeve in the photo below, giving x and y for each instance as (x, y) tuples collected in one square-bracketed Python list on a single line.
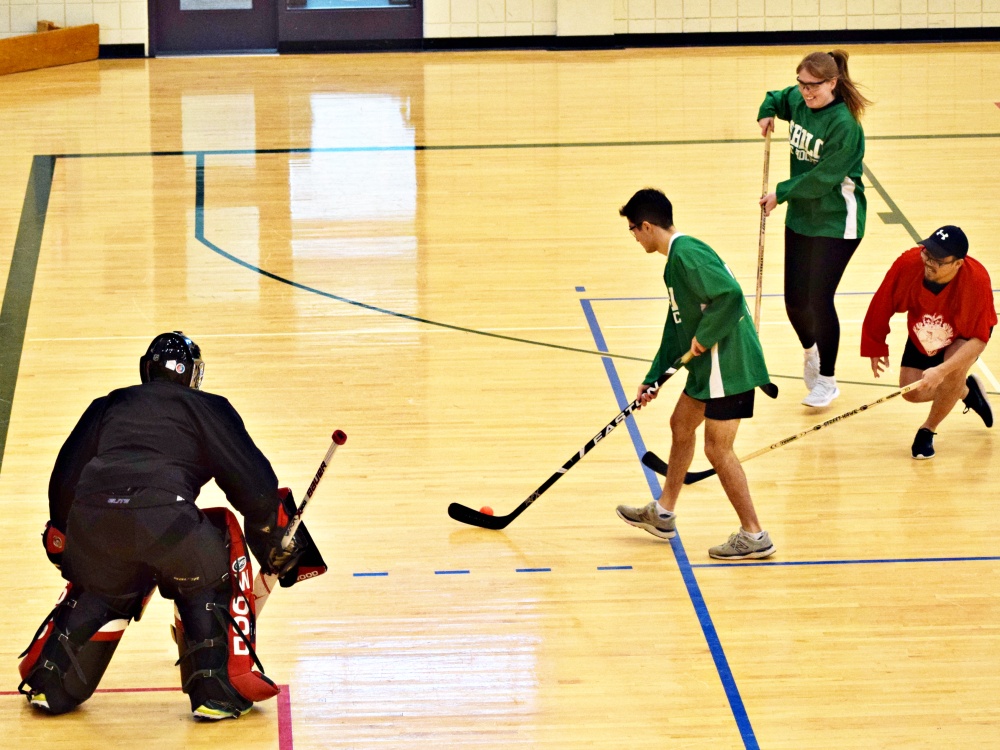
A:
[(76, 452), (240, 469), (875, 328), (665, 355), (776, 104), (723, 302), (977, 315), (839, 154)]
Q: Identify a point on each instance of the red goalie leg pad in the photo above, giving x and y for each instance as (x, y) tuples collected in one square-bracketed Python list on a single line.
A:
[(34, 651), (240, 619), (73, 647)]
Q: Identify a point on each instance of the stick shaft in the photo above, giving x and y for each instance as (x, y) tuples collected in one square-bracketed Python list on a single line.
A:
[(464, 514), (293, 525), (264, 583), (698, 476), (827, 423), (760, 238)]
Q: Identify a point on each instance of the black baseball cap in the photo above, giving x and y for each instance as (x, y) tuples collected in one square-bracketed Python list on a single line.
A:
[(947, 241)]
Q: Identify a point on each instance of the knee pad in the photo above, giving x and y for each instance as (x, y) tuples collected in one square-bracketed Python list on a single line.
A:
[(73, 646), (215, 632)]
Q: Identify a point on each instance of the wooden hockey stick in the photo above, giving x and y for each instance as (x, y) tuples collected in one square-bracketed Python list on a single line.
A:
[(657, 464), (760, 239), (467, 515), (264, 583)]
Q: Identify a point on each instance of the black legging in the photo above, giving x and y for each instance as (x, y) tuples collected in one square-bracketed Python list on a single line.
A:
[(813, 269)]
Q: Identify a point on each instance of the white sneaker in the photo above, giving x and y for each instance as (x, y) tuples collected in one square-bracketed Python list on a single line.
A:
[(823, 392), (810, 368)]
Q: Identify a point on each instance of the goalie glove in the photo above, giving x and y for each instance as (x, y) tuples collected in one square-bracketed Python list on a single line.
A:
[(54, 541), (264, 537)]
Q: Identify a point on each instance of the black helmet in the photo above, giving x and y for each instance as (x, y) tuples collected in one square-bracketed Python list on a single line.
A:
[(173, 356)]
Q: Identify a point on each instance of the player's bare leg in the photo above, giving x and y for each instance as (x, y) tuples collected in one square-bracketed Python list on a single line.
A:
[(687, 417), (719, 438)]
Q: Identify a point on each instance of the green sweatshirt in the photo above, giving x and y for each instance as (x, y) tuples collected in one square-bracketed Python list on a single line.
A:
[(707, 303), (824, 194)]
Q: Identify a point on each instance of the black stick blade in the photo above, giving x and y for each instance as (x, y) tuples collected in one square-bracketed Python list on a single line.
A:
[(651, 461), (465, 515), (770, 390), (696, 476)]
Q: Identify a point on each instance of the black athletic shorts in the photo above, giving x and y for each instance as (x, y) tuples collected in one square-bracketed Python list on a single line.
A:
[(118, 548), (739, 406), (913, 357)]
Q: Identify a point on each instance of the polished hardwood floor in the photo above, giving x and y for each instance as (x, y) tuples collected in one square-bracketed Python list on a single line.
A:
[(424, 250)]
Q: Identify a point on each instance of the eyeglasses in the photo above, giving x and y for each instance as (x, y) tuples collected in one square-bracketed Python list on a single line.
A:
[(934, 262), (811, 86), (633, 228)]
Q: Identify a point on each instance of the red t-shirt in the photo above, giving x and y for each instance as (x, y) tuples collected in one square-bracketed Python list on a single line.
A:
[(962, 310)]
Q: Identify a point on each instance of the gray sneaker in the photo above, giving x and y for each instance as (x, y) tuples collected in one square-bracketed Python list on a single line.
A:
[(649, 519), (741, 546)]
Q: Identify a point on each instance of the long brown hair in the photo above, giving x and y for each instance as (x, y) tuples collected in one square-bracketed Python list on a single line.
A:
[(827, 65)]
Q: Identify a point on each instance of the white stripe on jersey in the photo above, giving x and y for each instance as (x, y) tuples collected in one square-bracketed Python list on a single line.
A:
[(851, 205), (715, 386)]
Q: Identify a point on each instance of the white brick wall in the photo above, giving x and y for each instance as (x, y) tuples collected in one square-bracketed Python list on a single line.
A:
[(122, 21), (471, 18), (126, 22)]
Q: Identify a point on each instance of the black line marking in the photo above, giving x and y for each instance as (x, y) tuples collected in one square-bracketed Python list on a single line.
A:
[(898, 217), (20, 283), (199, 233)]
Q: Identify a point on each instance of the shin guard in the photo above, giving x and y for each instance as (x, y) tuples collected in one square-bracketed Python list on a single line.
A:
[(215, 632), (71, 650)]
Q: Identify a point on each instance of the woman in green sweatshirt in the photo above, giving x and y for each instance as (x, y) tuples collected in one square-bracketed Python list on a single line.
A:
[(825, 217)]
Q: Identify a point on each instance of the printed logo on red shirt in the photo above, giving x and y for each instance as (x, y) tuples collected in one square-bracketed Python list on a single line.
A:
[(933, 333)]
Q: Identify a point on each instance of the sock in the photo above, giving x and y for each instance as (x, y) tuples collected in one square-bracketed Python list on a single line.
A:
[(663, 512), (756, 537)]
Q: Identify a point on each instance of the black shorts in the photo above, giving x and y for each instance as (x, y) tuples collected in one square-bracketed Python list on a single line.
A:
[(738, 406), (913, 357), (120, 549)]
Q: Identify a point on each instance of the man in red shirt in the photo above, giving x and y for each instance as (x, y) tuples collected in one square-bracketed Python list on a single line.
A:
[(948, 301)]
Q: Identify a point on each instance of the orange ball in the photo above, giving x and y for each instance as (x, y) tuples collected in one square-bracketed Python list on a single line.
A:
[(487, 510)]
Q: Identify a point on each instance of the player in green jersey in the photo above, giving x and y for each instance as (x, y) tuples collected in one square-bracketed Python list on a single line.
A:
[(825, 218), (708, 316)]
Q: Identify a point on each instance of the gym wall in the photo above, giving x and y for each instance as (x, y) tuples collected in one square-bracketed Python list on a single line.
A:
[(124, 22)]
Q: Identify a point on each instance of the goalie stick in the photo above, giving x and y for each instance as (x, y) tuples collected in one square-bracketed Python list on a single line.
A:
[(657, 464), (467, 515), (264, 583)]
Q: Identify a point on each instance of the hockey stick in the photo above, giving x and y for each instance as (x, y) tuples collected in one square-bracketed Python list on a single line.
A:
[(652, 461), (466, 515), (264, 583), (657, 464), (760, 239)]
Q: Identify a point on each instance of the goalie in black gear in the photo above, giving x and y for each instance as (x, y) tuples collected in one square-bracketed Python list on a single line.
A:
[(123, 521)]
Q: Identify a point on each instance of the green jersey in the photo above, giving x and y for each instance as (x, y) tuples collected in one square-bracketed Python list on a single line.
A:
[(707, 303), (824, 193)]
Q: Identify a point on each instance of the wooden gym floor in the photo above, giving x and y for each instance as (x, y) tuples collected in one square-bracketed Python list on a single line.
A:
[(424, 250)]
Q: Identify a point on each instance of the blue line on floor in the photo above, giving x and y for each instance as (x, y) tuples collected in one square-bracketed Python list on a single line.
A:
[(451, 572), (690, 582), (614, 567), (534, 570), (609, 367), (371, 575)]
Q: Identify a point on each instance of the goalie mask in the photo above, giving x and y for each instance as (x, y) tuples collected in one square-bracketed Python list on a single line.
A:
[(173, 356)]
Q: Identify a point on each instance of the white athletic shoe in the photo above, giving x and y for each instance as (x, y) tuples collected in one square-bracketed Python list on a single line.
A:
[(823, 392), (810, 366)]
